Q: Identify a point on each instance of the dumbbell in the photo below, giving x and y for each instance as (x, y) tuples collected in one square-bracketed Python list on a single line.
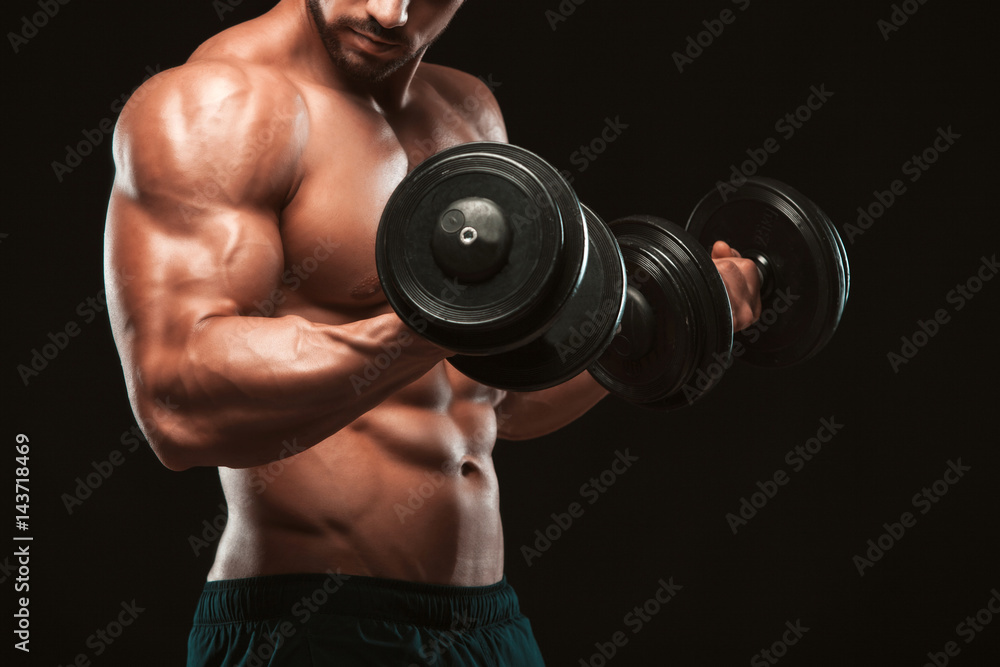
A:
[(805, 282), (487, 247)]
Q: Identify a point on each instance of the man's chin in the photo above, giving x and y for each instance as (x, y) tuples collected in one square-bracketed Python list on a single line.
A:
[(362, 67)]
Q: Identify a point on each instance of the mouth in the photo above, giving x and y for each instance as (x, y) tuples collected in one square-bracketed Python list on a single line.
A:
[(374, 44)]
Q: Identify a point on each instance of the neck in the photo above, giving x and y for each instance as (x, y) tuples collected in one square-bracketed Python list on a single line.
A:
[(309, 51)]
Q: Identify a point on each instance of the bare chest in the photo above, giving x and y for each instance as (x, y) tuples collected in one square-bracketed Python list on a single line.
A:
[(353, 160)]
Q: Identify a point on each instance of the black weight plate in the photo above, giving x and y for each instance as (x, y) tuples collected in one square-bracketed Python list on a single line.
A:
[(545, 258), (810, 271), (692, 329), (583, 329)]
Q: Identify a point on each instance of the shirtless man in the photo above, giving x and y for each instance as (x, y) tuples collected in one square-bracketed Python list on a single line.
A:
[(242, 290)]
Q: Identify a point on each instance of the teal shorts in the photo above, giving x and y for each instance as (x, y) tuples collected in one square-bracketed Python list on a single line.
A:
[(310, 620)]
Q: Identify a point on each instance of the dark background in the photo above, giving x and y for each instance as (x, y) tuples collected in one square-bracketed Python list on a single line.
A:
[(666, 516)]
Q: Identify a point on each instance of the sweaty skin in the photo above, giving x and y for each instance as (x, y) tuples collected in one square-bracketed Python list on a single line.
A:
[(247, 311)]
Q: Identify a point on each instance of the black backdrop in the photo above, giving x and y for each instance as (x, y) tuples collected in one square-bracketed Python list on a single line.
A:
[(128, 544)]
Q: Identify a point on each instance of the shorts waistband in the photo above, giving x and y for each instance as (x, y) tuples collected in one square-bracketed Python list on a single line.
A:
[(301, 595)]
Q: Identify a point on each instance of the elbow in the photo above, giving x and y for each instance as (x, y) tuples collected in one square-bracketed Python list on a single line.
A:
[(167, 422), (519, 436), (519, 430), (175, 449), (511, 425), (182, 441), (171, 461), (172, 456), (172, 434)]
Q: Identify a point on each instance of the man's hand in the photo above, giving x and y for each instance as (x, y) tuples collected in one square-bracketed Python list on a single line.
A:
[(742, 284)]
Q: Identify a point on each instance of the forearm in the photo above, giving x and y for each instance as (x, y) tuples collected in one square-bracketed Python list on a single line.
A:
[(522, 416), (241, 386)]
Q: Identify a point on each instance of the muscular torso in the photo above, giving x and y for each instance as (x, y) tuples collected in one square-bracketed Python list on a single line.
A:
[(408, 490)]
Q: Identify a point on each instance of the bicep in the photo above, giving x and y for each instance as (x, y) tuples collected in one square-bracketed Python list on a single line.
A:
[(192, 228), (164, 275)]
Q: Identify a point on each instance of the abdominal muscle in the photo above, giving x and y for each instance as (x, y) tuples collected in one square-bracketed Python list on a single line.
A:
[(408, 491)]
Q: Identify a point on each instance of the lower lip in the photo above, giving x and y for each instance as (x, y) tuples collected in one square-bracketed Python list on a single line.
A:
[(371, 45)]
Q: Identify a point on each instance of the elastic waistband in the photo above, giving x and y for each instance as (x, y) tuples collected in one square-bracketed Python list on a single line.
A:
[(301, 595)]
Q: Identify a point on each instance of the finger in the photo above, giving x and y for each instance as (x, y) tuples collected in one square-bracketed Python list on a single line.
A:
[(722, 250), (742, 281), (752, 278), (735, 283), (751, 273), (743, 317)]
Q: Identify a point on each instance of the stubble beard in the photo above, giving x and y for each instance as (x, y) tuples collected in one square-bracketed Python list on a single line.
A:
[(357, 66)]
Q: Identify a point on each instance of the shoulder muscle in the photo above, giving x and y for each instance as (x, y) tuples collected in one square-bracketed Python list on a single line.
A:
[(470, 97), (208, 131)]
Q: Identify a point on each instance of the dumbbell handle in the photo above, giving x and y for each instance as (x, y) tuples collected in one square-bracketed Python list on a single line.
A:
[(765, 269)]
